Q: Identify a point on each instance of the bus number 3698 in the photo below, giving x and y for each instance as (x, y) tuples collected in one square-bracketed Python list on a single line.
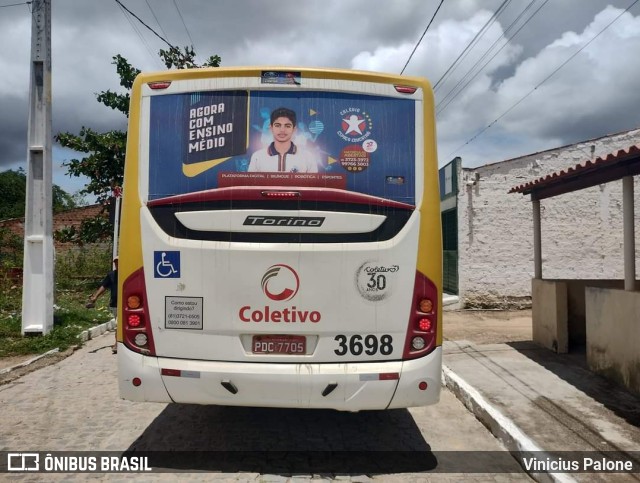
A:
[(369, 344)]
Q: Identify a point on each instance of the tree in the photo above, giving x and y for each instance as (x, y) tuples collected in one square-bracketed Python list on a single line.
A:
[(13, 186), (104, 163), (62, 200)]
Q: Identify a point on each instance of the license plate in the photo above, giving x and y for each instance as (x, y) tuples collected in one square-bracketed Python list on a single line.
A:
[(279, 344)]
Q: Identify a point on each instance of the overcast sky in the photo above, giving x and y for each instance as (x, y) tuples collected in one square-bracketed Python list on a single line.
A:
[(596, 93)]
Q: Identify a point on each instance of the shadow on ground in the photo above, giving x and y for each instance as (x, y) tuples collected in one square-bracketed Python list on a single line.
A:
[(284, 441), (572, 368), (290, 442)]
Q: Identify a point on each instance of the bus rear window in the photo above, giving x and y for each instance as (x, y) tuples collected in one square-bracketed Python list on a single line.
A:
[(218, 139)]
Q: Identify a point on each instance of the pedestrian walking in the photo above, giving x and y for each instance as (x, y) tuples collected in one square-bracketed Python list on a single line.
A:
[(110, 282)]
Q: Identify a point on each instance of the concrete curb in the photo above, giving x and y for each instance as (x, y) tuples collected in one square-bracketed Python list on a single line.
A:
[(448, 299), (84, 336), (30, 361), (500, 426), (97, 330), (450, 302)]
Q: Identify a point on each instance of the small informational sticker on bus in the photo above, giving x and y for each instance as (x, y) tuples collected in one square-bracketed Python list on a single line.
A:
[(183, 313), (376, 281)]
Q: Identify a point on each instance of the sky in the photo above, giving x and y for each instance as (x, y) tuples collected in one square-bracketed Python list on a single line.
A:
[(540, 74)]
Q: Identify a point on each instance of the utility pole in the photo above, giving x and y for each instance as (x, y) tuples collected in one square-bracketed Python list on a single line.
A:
[(37, 287)]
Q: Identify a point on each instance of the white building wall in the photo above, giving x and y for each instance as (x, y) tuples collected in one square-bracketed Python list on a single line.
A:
[(581, 231)]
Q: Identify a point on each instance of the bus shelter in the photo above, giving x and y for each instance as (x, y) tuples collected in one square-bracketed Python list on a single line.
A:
[(606, 313)]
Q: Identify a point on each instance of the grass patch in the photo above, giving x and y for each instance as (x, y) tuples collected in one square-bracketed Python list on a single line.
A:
[(78, 274)]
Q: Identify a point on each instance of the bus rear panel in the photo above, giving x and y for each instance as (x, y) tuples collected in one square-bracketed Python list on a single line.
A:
[(280, 241)]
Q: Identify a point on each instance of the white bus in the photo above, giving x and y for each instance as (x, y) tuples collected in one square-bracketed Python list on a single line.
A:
[(280, 240)]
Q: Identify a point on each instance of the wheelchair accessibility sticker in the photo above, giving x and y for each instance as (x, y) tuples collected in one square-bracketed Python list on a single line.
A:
[(167, 264)]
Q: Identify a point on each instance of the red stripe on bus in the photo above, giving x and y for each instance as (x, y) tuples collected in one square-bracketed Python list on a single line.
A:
[(256, 193)]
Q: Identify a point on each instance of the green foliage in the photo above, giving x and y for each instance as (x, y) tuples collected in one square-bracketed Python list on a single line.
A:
[(10, 295), (62, 200), (127, 74), (10, 249), (174, 58), (104, 165), (86, 265), (91, 230), (13, 186), (70, 319), (78, 274)]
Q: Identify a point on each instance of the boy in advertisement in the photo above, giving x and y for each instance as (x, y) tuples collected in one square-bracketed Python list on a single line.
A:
[(282, 155)]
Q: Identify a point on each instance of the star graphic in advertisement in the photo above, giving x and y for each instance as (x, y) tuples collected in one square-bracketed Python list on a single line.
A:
[(354, 124)]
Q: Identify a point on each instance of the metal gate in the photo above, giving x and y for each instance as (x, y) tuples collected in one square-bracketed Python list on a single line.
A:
[(450, 251)]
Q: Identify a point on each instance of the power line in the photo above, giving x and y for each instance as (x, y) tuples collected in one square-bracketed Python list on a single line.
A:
[(423, 34), (544, 80), (14, 4), (137, 31), (473, 42), (184, 24), (142, 22), (453, 92), (154, 16)]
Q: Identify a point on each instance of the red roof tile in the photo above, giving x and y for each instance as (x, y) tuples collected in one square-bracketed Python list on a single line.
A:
[(579, 169)]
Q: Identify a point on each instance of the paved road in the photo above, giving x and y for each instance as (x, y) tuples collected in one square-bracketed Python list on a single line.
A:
[(74, 406)]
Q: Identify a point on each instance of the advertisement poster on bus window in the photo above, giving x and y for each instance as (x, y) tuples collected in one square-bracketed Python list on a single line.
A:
[(219, 139)]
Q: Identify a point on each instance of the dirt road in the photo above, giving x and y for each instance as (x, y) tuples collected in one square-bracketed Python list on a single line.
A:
[(487, 327)]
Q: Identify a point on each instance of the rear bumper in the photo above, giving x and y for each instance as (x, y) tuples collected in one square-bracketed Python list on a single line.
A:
[(358, 386)]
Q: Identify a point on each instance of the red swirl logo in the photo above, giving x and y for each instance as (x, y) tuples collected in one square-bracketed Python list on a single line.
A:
[(281, 279)]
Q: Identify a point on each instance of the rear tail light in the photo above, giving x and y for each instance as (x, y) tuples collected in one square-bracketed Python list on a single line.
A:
[(423, 319), (281, 194), (134, 320), (424, 325), (426, 306), (134, 302), (159, 84), (135, 314), (141, 339), (405, 89), (418, 343)]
